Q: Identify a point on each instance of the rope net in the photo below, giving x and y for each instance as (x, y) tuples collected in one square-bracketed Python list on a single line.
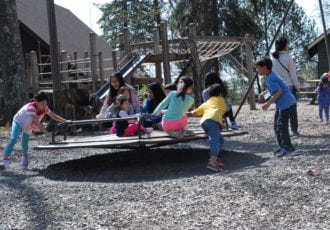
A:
[(214, 49)]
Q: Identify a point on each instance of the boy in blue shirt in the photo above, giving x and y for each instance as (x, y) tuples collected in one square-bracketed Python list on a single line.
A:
[(285, 105)]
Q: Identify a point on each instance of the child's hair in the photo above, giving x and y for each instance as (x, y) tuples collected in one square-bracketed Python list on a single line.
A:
[(264, 61), (112, 91), (280, 45), (216, 90), (170, 86), (123, 89), (120, 99), (212, 78), (187, 82), (324, 82), (158, 93), (41, 96)]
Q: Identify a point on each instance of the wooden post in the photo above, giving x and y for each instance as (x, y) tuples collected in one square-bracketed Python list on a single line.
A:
[(101, 68), (29, 77), (93, 55), (76, 65), (86, 65), (126, 41), (249, 58), (196, 63), (121, 47), (114, 61), (166, 59), (158, 65), (326, 39), (34, 71), (58, 105), (64, 66)]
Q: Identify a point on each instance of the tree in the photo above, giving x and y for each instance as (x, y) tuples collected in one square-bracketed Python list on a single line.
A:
[(12, 70), (298, 29), (213, 18), (140, 17)]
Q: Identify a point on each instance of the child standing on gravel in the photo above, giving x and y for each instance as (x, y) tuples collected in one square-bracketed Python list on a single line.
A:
[(285, 105), (323, 97), (176, 104), (26, 120), (213, 110)]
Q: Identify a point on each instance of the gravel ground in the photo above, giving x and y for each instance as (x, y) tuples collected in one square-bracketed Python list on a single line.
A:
[(170, 188)]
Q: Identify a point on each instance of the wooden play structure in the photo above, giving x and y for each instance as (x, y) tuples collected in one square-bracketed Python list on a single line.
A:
[(87, 73), (193, 50)]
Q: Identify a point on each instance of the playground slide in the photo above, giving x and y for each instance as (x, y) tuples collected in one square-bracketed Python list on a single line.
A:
[(126, 70)]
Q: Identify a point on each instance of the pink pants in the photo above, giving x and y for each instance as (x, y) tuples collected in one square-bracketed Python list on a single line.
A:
[(130, 130), (175, 125)]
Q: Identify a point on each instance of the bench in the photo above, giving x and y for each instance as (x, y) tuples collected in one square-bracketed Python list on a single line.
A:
[(309, 94)]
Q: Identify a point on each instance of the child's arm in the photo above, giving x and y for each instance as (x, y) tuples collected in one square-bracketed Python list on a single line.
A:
[(162, 105), (272, 99), (35, 119), (56, 117)]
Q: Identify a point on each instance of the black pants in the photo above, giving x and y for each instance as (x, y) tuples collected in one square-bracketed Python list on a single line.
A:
[(294, 117), (230, 114), (281, 126)]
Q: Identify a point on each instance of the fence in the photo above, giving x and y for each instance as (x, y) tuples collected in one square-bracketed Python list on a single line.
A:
[(74, 68)]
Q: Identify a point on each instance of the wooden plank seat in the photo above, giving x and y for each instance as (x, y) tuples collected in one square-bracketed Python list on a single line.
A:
[(143, 140), (149, 140), (309, 94)]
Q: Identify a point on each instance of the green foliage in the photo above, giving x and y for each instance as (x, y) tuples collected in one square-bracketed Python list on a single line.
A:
[(298, 29), (142, 92), (140, 17)]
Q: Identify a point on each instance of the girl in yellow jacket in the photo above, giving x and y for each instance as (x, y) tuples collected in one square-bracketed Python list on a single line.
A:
[(212, 111)]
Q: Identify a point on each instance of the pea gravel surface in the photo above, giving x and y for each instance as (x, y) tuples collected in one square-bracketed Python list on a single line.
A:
[(170, 187)]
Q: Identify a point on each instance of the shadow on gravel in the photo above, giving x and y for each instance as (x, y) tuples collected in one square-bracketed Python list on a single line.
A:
[(148, 165), (28, 197)]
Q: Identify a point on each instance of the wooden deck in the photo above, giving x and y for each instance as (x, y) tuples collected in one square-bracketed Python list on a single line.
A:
[(152, 140)]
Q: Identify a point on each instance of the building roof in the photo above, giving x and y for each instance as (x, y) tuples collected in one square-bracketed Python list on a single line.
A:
[(312, 48), (73, 34)]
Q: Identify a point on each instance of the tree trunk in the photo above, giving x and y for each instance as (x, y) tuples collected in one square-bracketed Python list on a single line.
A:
[(12, 69)]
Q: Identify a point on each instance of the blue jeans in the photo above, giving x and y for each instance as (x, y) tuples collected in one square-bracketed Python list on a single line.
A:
[(324, 108), (281, 126), (15, 131), (212, 129)]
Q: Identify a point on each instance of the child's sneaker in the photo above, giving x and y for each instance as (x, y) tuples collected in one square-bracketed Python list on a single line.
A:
[(233, 126), (213, 166), (24, 161), (295, 134), (220, 162), (283, 152), (3, 164), (277, 149)]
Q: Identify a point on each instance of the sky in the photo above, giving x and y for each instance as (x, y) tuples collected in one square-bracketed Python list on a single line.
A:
[(90, 14)]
